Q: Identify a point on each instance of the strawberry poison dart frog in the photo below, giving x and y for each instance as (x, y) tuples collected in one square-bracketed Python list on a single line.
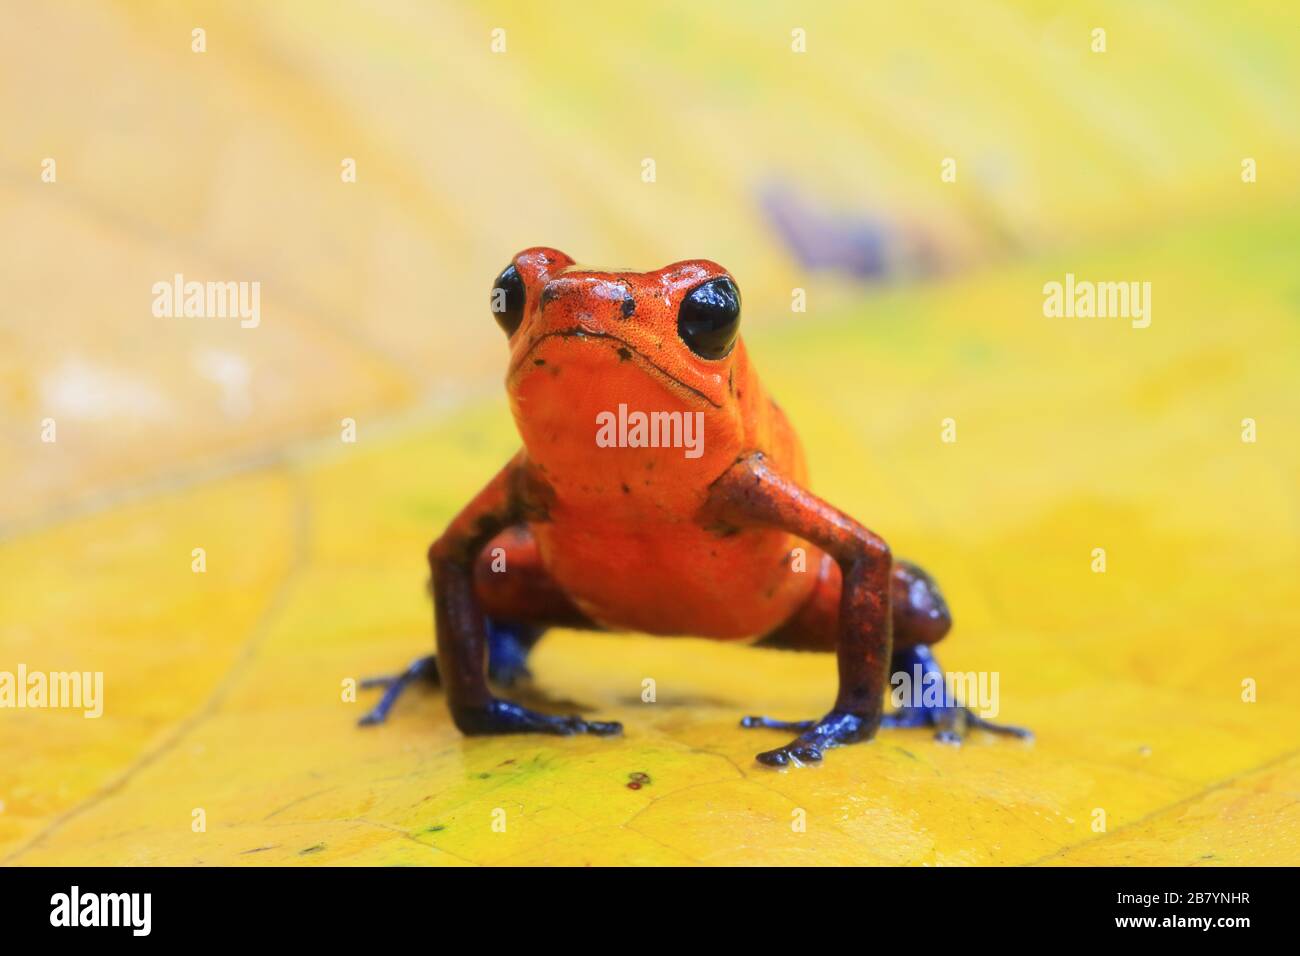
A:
[(660, 489)]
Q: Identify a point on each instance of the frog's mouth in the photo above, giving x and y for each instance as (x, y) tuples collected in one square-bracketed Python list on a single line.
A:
[(626, 351)]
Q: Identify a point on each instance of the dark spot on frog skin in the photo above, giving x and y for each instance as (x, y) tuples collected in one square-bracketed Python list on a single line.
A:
[(539, 361), (548, 294), (626, 489), (486, 526), (635, 781), (731, 381), (623, 354), (628, 307), (536, 496)]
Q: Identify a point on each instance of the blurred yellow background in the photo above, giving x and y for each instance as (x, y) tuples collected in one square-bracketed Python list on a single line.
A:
[(223, 689)]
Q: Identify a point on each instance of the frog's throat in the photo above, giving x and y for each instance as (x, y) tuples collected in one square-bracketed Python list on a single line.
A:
[(586, 333)]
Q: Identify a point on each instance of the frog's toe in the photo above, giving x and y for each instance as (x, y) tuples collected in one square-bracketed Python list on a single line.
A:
[(506, 717), (573, 724), (1005, 730), (603, 728), (784, 756), (952, 723), (425, 668), (834, 730), (770, 723)]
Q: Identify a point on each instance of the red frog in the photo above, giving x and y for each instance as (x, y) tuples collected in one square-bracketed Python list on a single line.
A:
[(661, 490)]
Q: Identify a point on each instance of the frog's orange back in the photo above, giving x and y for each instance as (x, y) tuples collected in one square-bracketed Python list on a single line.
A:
[(633, 394)]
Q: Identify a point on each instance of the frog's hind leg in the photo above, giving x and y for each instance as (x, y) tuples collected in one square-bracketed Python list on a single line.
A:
[(951, 721), (920, 619), (520, 601), (920, 614), (513, 585)]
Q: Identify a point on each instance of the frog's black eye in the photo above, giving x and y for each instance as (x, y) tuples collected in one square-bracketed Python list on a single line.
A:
[(508, 300), (709, 318)]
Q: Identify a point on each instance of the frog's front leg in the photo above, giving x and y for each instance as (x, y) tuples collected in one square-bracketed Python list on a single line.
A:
[(510, 497), (921, 619), (520, 600), (752, 494)]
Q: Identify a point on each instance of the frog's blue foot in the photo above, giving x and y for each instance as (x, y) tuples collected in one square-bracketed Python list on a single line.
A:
[(424, 668), (936, 707), (508, 647), (506, 717), (815, 736)]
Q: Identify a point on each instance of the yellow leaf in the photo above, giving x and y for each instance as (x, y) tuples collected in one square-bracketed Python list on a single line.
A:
[(224, 690)]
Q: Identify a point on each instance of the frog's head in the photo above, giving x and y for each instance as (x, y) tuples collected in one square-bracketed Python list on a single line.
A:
[(601, 331)]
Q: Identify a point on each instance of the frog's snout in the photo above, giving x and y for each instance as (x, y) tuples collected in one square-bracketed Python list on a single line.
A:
[(592, 304)]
